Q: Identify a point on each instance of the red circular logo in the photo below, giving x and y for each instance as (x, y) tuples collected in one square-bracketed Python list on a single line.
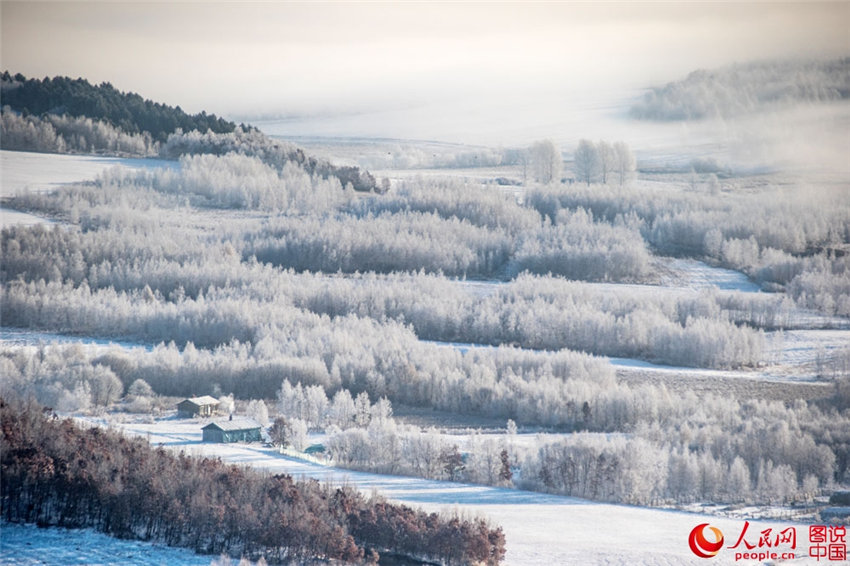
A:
[(701, 546)]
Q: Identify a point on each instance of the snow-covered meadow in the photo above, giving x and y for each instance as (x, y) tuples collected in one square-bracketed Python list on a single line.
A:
[(44, 172)]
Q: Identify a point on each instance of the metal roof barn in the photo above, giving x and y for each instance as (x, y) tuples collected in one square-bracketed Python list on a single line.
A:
[(239, 429)]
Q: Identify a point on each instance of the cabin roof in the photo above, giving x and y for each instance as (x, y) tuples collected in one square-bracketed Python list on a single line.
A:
[(203, 400), (238, 423)]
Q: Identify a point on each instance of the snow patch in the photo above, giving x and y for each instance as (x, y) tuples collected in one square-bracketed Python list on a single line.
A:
[(9, 217), (19, 338), (28, 544), (43, 172), (699, 275)]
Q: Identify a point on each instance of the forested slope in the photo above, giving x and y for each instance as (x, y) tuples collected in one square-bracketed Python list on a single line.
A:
[(125, 110), (63, 115)]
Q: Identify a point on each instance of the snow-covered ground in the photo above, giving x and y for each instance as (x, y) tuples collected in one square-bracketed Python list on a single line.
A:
[(540, 529), (10, 217), (29, 545), (695, 274), (16, 337), (793, 355), (677, 275), (43, 172), (804, 350)]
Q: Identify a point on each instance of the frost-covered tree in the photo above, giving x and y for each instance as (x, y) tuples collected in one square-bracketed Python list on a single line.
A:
[(279, 432), (381, 412), (342, 411), (624, 162), (362, 409), (297, 434), (607, 159), (586, 161), (258, 411), (545, 160), (140, 388)]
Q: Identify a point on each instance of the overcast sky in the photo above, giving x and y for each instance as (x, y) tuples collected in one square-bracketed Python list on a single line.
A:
[(244, 59)]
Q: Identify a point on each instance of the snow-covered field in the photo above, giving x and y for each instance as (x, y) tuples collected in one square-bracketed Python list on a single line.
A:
[(15, 337), (695, 274), (540, 529), (29, 545), (10, 217), (40, 172), (43, 172)]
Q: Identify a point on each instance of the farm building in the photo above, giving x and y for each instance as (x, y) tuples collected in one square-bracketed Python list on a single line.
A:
[(240, 429), (201, 406)]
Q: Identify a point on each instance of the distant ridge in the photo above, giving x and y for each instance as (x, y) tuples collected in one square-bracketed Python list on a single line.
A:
[(745, 88)]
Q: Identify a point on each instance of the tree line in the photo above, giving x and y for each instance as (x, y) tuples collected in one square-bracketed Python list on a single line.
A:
[(65, 134), (744, 457), (437, 226), (58, 474), (275, 153), (127, 111)]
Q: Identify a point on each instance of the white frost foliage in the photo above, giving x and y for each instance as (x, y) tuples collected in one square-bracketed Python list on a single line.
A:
[(453, 198), (140, 388), (744, 88), (545, 161), (64, 134), (579, 248), (342, 410), (78, 399), (258, 411), (308, 404), (586, 162), (297, 434), (238, 181)]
